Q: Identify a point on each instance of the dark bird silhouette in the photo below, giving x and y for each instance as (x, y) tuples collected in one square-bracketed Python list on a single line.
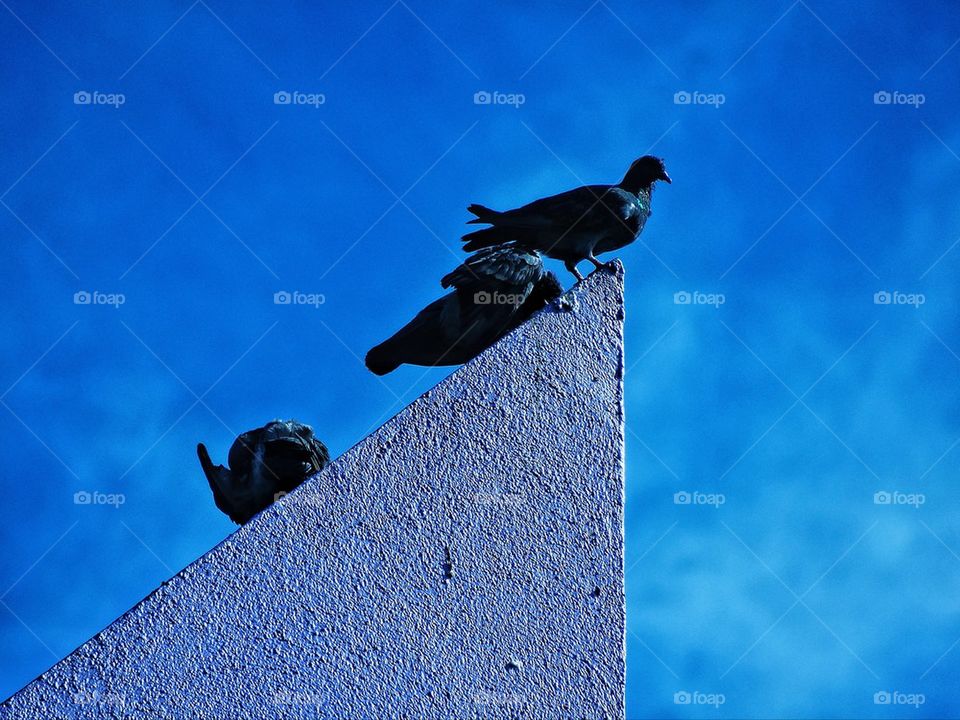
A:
[(495, 290), (578, 224), (264, 463)]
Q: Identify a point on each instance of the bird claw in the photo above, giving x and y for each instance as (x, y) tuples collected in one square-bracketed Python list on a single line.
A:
[(572, 267), (605, 266)]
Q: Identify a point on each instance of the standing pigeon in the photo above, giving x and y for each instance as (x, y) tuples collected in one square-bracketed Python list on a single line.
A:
[(578, 224), (495, 290), (263, 463)]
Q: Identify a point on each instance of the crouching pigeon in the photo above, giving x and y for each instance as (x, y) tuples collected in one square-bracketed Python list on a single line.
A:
[(263, 463), (578, 224), (494, 291)]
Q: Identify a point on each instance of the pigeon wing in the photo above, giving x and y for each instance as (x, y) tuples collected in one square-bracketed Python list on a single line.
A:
[(243, 452), (557, 212), (291, 453), (505, 268), (320, 456)]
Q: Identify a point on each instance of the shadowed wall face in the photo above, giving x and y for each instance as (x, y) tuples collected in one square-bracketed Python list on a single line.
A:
[(465, 560)]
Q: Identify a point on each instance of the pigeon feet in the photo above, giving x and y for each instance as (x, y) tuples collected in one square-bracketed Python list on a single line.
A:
[(571, 265), (608, 266), (596, 263)]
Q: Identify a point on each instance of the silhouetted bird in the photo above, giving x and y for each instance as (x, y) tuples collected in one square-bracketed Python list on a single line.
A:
[(578, 224), (495, 290), (263, 463)]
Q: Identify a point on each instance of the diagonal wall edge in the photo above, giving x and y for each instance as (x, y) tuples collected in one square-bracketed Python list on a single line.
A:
[(464, 560)]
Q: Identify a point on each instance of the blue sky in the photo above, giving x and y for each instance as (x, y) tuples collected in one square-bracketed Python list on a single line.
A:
[(798, 194)]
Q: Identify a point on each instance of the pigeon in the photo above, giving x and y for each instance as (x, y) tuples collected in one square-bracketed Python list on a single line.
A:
[(494, 291), (578, 224), (265, 464)]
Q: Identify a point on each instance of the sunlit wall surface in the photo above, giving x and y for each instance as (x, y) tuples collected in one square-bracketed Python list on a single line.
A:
[(171, 176)]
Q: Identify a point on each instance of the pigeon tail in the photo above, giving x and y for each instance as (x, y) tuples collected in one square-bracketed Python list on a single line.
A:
[(488, 237), (491, 236), (218, 477), (483, 214), (381, 359)]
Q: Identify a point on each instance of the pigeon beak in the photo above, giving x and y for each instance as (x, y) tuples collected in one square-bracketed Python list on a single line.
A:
[(666, 178)]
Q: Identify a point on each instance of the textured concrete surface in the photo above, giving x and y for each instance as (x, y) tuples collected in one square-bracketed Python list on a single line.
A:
[(465, 560)]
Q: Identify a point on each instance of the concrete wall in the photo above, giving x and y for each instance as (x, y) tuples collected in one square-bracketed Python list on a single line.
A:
[(465, 560)]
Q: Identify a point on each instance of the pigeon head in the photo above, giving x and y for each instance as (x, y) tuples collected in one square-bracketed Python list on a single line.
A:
[(264, 463), (644, 172), (547, 289)]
